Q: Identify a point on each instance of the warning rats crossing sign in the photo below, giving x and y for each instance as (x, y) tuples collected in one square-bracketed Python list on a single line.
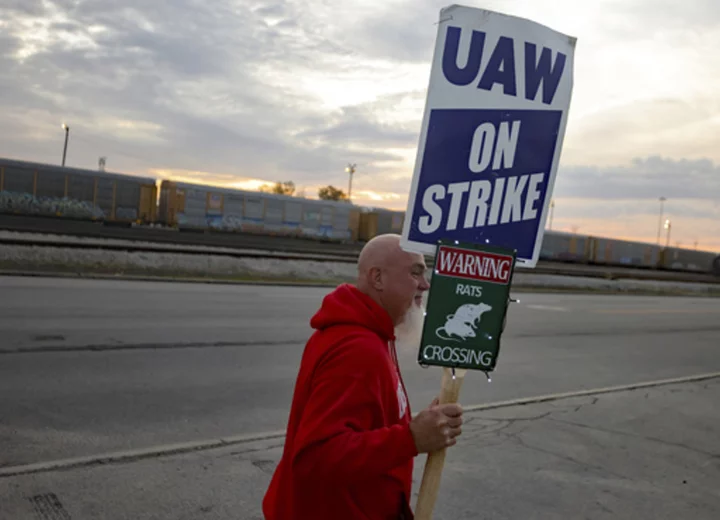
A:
[(467, 306), (492, 132)]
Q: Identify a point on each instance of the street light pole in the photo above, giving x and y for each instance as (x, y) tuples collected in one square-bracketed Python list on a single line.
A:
[(662, 200), (552, 211), (350, 169), (667, 226), (67, 131)]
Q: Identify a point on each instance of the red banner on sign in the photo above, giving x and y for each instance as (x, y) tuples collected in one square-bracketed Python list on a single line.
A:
[(474, 265)]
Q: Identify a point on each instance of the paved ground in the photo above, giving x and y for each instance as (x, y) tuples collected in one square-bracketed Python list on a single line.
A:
[(646, 454), (91, 367), (67, 404)]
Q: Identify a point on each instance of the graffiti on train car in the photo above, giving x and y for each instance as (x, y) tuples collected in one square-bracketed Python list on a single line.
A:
[(238, 223), (27, 204)]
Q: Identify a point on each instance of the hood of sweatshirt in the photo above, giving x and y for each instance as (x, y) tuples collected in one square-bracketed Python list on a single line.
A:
[(347, 305)]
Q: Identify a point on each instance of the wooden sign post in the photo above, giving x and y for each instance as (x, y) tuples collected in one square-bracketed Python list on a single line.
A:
[(430, 485), (467, 306)]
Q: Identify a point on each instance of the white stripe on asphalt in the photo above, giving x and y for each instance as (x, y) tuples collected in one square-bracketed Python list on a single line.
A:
[(548, 308), (173, 449)]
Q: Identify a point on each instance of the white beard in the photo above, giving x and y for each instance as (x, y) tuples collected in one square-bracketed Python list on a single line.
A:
[(409, 332)]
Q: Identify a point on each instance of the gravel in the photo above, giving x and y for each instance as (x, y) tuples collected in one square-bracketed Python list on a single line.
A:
[(17, 259)]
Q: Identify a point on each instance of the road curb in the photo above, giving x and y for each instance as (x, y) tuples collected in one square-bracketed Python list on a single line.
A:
[(592, 391), (188, 447), (517, 286), (99, 347), (165, 279), (133, 455)]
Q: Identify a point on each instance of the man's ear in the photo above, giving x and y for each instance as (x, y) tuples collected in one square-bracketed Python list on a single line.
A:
[(376, 278)]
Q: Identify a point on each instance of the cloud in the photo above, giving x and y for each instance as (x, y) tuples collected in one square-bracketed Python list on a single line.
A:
[(669, 15), (623, 200), (261, 91), (204, 87), (677, 127), (27, 7), (642, 179), (363, 124)]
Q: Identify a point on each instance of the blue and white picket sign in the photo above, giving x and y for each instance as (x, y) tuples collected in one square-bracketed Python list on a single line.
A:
[(492, 132)]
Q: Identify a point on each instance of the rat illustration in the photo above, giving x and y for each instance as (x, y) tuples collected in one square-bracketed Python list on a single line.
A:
[(463, 322), (470, 313)]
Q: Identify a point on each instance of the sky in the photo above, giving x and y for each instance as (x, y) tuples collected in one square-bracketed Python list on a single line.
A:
[(242, 93)]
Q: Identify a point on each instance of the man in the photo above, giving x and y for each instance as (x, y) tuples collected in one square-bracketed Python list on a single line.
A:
[(351, 438)]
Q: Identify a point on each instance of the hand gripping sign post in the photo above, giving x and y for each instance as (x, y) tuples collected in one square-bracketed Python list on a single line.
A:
[(490, 142)]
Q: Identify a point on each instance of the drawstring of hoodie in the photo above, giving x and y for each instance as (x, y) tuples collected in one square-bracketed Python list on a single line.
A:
[(393, 351)]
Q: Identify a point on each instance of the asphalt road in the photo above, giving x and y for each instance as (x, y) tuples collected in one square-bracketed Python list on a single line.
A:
[(642, 454), (118, 381)]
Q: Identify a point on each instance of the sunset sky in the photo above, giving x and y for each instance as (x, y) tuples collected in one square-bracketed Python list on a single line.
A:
[(241, 93)]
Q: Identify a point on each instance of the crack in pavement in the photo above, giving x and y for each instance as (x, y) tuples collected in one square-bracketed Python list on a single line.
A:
[(497, 426), (527, 421), (640, 437), (474, 431), (518, 419), (496, 430), (564, 457), (604, 507), (565, 408), (255, 450)]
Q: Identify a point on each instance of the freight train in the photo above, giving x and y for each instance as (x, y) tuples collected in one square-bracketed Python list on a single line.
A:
[(42, 189), (116, 199)]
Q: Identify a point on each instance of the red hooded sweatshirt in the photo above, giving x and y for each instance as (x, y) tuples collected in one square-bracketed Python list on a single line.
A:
[(348, 451)]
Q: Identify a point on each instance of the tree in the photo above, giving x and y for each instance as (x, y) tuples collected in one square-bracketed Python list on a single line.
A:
[(279, 188), (331, 193)]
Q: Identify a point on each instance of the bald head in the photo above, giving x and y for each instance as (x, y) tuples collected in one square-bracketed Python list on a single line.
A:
[(379, 252), (390, 275)]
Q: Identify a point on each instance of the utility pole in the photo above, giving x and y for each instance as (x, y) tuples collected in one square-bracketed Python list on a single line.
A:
[(351, 170), (662, 200), (67, 131)]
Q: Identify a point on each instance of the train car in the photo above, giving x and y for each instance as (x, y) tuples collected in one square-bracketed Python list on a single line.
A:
[(379, 221), (560, 246), (613, 251), (28, 188), (193, 206), (678, 259)]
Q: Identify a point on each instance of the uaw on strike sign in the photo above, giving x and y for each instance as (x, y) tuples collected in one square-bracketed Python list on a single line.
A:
[(492, 133), (491, 137)]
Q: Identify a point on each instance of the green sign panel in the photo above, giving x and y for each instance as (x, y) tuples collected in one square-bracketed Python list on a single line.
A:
[(467, 304)]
